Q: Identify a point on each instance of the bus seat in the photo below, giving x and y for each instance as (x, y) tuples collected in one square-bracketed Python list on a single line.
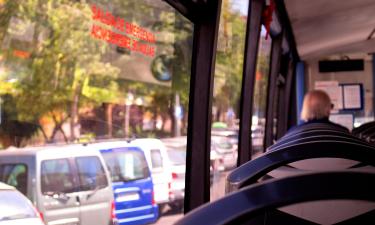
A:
[(258, 203), (363, 128), (252, 171), (316, 126), (366, 132), (303, 135)]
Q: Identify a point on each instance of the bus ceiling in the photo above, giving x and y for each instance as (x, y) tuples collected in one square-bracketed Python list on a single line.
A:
[(323, 28)]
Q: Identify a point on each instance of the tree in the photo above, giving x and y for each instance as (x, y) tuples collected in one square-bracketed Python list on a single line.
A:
[(13, 131), (229, 59), (63, 56)]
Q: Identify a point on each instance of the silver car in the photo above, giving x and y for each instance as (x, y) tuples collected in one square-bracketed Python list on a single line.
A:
[(67, 185), (16, 209), (224, 148)]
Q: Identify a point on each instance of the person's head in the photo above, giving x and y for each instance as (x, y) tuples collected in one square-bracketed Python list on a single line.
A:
[(316, 105)]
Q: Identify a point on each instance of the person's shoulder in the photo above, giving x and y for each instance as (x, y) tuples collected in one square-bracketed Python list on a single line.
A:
[(295, 127), (339, 126), (314, 123)]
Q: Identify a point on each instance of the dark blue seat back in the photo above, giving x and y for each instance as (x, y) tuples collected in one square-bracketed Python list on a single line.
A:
[(316, 147), (306, 135), (240, 207)]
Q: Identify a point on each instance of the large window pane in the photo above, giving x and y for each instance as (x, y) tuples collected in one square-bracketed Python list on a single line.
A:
[(126, 165), (227, 92), (80, 71), (57, 177), (91, 173), (260, 92)]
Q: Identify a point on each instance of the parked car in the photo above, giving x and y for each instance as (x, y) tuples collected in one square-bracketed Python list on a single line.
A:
[(226, 150), (131, 181), (16, 209), (67, 185), (160, 166), (257, 136), (176, 149), (231, 134)]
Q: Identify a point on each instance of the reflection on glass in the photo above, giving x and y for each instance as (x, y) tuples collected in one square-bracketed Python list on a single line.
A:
[(79, 70), (125, 166), (57, 177), (227, 92), (260, 92), (82, 71)]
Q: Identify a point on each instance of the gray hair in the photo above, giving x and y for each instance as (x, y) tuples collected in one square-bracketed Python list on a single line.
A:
[(316, 105)]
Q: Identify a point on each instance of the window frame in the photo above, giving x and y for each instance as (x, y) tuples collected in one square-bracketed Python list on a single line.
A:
[(205, 16), (272, 89)]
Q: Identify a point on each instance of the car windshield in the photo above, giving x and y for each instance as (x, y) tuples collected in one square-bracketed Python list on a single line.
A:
[(177, 156), (126, 165), (14, 206)]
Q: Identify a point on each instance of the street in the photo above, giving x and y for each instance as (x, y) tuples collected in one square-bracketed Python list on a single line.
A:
[(217, 191)]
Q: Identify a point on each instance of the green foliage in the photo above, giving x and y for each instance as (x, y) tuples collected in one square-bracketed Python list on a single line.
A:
[(229, 58), (64, 69), (10, 126), (63, 57)]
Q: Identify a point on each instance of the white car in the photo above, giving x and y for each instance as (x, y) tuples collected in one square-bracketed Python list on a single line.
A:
[(160, 166), (225, 149), (176, 149), (16, 209)]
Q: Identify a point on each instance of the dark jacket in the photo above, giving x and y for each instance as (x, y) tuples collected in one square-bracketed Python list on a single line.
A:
[(323, 121)]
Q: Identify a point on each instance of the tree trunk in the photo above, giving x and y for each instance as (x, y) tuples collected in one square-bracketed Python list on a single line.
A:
[(58, 127), (109, 119), (173, 118), (74, 111)]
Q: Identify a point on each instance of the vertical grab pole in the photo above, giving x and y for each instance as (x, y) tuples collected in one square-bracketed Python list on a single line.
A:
[(300, 72)]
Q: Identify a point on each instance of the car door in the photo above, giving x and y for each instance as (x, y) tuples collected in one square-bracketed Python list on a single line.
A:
[(161, 176), (95, 194), (132, 185), (59, 197)]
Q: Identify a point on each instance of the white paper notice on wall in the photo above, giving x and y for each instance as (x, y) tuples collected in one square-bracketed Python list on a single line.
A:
[(334, 90), (346, 120), (352, 96)]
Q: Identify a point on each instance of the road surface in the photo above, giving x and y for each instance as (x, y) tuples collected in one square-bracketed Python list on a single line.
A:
[(217, 191)]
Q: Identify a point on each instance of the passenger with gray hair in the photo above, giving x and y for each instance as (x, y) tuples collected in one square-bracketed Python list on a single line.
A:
[(316, 108)]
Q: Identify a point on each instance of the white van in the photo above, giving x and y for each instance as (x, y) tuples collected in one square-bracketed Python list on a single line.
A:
[(66, 184), (160, 166)]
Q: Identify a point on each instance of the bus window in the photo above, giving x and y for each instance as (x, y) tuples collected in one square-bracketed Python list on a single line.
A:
[(227, 92), (260, 92), (83, 71)]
